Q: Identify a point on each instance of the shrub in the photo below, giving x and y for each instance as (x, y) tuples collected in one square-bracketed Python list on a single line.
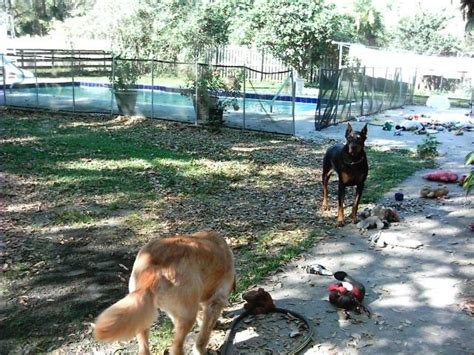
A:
[(468, 183), (429, 148)]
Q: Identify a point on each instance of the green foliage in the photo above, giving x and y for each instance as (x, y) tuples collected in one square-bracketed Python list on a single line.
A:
[(467, 8), (369, 23), (125, 74), (34, 17), (424, 34), (299, 32), (469, 160), (215, 94), (212, 25), (162, 29), (428, 149), (468, 183)]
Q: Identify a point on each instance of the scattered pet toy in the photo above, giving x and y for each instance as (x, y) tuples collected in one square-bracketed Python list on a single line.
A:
[(387, 126), (258, 301), (441, 176), (428, 192), (371, 222), (388, 214), (379, 217), (399, 196), (347, 294), (318, 270)]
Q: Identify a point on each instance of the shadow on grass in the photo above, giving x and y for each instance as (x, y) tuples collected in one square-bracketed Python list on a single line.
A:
[(70, 276)]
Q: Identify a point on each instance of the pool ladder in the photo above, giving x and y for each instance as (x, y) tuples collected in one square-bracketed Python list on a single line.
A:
[(278, 92)]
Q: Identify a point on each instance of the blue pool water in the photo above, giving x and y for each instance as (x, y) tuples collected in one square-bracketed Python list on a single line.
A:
[(103, 94)]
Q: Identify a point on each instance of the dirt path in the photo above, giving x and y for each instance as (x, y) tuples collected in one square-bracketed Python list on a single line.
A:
[(416, 295)]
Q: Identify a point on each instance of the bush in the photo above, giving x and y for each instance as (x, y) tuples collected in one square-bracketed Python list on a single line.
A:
[(429, 148), (468, 183)]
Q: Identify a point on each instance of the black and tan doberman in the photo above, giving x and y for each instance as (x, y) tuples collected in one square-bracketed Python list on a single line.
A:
[(349, 161)]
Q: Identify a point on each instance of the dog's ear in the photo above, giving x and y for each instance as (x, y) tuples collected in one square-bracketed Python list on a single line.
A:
[(363, 132), (348, 130)]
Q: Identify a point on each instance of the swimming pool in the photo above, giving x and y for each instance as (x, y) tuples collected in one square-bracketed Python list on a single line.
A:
[(147, 97), (167, 104)]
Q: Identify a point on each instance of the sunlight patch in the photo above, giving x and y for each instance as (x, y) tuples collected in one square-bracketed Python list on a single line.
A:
[(24, 207), (105, 164), (20, 140)]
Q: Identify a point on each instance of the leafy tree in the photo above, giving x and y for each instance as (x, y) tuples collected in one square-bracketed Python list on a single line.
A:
[(467, 8), (34, 17), (206, 27), (423, 34), (369, 23), (298, 32), (162, 29), (240, 24)]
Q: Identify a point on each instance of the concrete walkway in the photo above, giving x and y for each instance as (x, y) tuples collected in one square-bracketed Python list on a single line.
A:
[(387, 139), (416, 294)]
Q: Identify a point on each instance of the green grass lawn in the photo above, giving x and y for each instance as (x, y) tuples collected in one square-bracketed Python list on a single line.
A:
[(83, 193)]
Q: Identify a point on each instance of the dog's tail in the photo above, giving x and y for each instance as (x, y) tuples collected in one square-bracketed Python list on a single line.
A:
[(128, 317)]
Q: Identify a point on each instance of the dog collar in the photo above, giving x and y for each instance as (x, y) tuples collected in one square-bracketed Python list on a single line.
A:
[(353, 162)]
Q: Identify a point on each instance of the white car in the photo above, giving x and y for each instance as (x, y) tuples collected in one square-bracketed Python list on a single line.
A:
[(13, 73)]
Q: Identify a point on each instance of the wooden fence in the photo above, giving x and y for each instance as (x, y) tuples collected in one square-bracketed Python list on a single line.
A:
[(61, 59), (98, 60), (263, 64)]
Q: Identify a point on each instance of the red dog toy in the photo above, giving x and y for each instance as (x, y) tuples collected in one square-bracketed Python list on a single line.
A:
[(347, 294), (442, 176)]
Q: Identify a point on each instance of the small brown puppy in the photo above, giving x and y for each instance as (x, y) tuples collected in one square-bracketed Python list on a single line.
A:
[(349, 161), (180, 275)]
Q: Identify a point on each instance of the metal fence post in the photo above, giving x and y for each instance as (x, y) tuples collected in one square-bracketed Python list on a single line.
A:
[(363, 93), (73, 86), (196, 100), (293, 101), (372, 92), (472, 99), (36, 82), (338, 88), (349, 95), (400, 82), (412, 94), (317, 119), (243, 99), (383, 92), (112, 86), (152, 88), (4, 74)]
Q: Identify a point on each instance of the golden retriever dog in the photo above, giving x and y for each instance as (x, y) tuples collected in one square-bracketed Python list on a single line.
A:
[(180, 275)]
